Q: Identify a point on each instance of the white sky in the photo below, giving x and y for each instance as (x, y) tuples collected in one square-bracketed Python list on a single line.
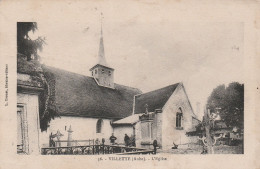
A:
[(148, 52)]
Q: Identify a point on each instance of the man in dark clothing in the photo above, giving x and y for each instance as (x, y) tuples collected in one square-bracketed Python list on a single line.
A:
[(112, 139), (126, 139), (155, 146)]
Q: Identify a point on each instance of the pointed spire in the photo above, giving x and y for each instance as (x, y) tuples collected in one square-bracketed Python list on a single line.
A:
[(101, 52)]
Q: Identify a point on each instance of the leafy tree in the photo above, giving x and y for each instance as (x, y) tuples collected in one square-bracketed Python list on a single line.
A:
[(230, 102), (28, 59), (25, 45)]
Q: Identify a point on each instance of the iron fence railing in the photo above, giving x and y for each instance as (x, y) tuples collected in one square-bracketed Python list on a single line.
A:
[(93, 150), (66, 143)]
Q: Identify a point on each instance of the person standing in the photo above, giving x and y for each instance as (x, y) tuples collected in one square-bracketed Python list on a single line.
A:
[(112, 139), (97, 143), (155, 146), (126, 139)]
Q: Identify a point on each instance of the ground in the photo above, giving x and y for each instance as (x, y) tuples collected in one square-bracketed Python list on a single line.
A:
[(221, 149)]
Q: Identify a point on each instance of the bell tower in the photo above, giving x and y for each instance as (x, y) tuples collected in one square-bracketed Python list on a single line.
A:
[(102, 72)]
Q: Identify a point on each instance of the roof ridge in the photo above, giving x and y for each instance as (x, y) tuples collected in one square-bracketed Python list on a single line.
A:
[(159, 89), (59, 69)]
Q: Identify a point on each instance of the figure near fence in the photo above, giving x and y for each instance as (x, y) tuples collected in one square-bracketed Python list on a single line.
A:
[(127, 140), (112, 139)]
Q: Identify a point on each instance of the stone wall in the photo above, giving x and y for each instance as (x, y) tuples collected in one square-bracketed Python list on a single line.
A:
[(170, 133), (158, 127), (138, 136)]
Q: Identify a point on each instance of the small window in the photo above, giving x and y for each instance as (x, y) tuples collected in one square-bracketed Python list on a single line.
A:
[(109, 73), (96, 71), (99, 126), (179, 116), (92, 73), (102, 70)]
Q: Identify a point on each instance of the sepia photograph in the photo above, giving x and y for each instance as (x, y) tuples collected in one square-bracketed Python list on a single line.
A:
[(173, 89), (133, 84)]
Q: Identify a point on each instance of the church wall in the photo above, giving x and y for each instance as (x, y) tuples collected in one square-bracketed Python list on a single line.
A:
[(157, 129), (120, 131), (156, 132), (170, 133), (31, 109), (138, 134), (83, 129)]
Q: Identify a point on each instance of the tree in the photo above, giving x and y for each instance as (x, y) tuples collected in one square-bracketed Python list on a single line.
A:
[(27, 56), (25, 45), (230, 102)]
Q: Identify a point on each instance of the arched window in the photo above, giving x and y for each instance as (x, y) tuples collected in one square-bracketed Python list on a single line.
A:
[(99, 126), (178, 118)]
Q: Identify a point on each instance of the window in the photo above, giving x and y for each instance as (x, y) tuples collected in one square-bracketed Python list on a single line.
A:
[(92, 73), (95, 71), (102, 70), (99, 126), (179, 116), (109, 73)]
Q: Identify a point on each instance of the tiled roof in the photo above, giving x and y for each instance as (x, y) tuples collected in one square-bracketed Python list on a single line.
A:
[(79, 95), (128, 120), (155, 99)]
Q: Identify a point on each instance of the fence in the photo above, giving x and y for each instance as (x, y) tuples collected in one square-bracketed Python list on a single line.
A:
[(65, 143), (93, 150)]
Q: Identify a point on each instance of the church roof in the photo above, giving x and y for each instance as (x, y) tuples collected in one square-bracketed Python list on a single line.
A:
[(79, 95), (155, 99), (128, 120)]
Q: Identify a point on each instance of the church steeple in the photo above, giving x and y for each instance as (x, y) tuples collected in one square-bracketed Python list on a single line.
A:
[(101, 52), (101, 72)]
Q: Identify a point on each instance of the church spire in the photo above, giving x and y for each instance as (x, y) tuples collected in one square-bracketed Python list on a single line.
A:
[(101, 52), (101, 72)]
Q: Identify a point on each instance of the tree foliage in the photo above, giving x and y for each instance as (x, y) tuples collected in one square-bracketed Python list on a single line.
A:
[(28, 59), (25, 45), (230, 101)]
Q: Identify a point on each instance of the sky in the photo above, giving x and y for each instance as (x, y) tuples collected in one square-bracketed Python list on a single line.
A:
[(148, 54)]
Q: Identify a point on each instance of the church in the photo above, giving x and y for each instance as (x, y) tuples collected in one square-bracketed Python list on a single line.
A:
[(95, 107), (164, 115), (89, 104)]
